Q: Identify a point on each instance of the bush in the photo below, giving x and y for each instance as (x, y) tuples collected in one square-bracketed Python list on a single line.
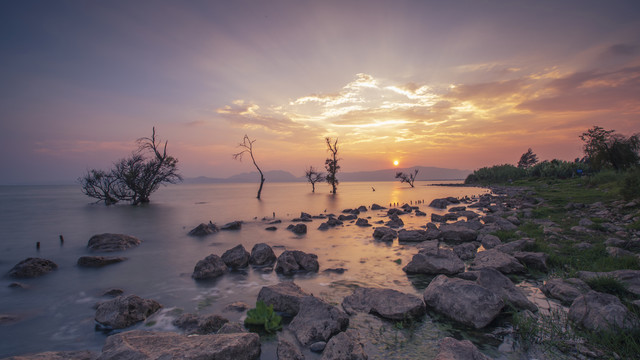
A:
[(631, 184), (496, 174), (558, 169)]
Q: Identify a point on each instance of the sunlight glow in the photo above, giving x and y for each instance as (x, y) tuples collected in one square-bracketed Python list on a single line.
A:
[(396, 162)]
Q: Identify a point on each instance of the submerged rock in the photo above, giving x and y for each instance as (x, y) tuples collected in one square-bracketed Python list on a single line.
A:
[(200, 325), (210, 267), (234, 225), (345, 345), (203, 229), (317, 321), (236, 257), (362, 222), (32, 267), (438, 261), (290, 262), (124, 311), (288, 351), (452, 349), (384, 234), (262, 255), (99, 261), (112, 242), (387, 303), (284, 296), (298, 229)]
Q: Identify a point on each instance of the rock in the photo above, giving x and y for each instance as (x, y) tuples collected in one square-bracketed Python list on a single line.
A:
[(298, 229), (362, 222), (618, 252), (317, 321), (412, 235), (585, 222), (615, 242), (234, 225), (18, 285), (99, 261), (565, 290), (200, 325), (420, 213), (335, 270), (377, 207), (452, 349), (236, 257), (457, 234), (502, 223), (284, 296), (489, 241), (57, 355), (466, 251), (347, 217), (203, 229), (533, 260), (334, 222), (112, 242), (514, 220), (395, 222), (515, 246), (262, 255), (439, 261), (345, 346), (438, 218), (143, 345), (387, 303), (32, 267), (210, 267), (470, 215), (231, 328), (583, 246), (271, 228), (502, 262), (439, 203), (463, 301), (113, 292), (601, 312), (630, 278), (362, 208), (457, 208), (324, 226), (493, 280), (124, 311), (237, 306), (288, 351), (318, 347), (290, 262), (395, 211), (384, 234)]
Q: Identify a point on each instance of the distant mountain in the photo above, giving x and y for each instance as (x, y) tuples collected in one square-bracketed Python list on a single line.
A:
[(424, 173)]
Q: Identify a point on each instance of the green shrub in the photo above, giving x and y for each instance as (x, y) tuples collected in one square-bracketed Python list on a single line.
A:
[(263, 315), (496, 174), (631, 184)]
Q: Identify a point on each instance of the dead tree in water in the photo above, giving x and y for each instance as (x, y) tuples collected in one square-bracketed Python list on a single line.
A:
[(247, 144), (313, 176), (409, 178), (331, 164)]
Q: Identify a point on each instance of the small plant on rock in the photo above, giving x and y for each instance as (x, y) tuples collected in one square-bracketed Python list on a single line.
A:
[(263, 315)]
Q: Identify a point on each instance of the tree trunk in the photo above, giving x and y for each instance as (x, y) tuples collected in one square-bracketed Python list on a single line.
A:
[(261, 183)]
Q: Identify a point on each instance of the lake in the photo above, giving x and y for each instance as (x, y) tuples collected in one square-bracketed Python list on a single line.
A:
[(56, 311)]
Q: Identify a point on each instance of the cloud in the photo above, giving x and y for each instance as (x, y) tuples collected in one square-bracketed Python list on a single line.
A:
[(623, 49)]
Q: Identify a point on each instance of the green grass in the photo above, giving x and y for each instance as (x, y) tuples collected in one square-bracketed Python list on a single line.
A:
[(610, 285)]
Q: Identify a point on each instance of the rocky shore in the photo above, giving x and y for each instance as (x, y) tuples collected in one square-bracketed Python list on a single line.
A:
[(474, 256)]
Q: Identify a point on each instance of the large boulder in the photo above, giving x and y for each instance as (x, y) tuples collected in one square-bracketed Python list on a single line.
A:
[(452, 349), (124, 311), (99, 261), (533, 260), (148, 345), (32, 267), (463, 301), (262, 255), (435, 261), (236, 257), (345, 346), (57, 355), (210, 267), (565, 290), (204, 324), (112, 242), (384, 234), (495, 281), (498, 260), (387, 303), (317, 321), (489, 241), (601, 312), (412, 235), (284, 296), (290, 262), (457, 233)]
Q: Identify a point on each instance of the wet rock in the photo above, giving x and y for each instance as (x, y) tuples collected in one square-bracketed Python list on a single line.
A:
[(345, 346), (439, 261), (288, 351), (200, 325), (112, 242), (57, 355), (231, 328), (533, 260), (271, 228), (113, 292), (347, 217), (236, 257), (99, 261), (395, 222), (493, 280), (324, 226), (284, 296), (439, 203), (362, 222), (32, 267), (234, 225), (384, 234), (466, 251), (203, 229), (457, 234), (317, 321), (124, 311), (463, 301), (262, 255), (290, 262), (237, 306), (498, 260), (601, 312), (420, 213), (489, 241), (452, 349), (412, 235), (565, 290), (317, 347), (143, 345), (387, 303), (210, 267), (335, 270), (377, 207), (298, 229)]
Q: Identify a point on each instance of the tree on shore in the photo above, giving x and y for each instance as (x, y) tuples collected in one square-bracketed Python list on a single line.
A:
[(604, 148), (313, 176), (408, 178), (528, 160), (331, 164), (134, 178), (247, 145)]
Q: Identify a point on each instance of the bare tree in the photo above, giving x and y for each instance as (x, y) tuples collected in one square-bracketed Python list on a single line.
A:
[(408, 178), (313, 176), (331, 164), (247, 145), (100, 185)]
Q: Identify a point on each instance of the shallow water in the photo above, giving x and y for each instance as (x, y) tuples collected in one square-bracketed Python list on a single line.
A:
[(56, 311)]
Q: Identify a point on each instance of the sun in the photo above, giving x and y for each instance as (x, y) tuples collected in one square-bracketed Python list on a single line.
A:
[(396, 162)]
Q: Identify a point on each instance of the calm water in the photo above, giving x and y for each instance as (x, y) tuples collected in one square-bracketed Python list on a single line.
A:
[(56, 311)]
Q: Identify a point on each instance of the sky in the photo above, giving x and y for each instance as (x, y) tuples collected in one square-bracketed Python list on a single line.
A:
[(454, 84)]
